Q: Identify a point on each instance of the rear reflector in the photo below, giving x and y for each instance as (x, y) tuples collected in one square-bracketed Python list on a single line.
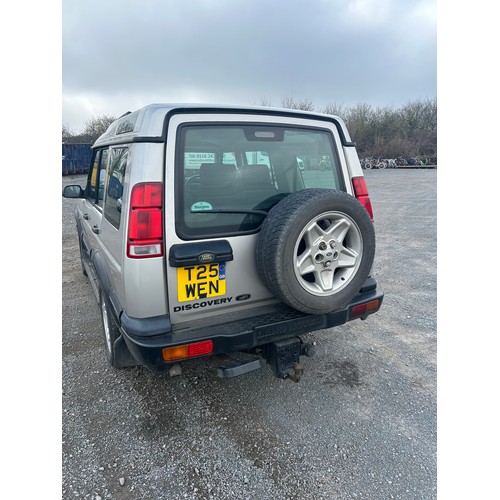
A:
[(361, 193), (188, 350), (364, 309), (145, 226)]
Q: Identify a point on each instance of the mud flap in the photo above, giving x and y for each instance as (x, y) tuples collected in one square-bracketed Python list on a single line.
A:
[(123, 356)]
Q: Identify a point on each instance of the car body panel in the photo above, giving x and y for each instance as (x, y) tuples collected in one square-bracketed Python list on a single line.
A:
[(206, 281)]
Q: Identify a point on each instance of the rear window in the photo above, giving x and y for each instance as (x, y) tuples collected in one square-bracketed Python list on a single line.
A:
[(113, 204), (231, 175)]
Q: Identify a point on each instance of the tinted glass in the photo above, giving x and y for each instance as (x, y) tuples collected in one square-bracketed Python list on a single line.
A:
[(102, 176), (114, 189), (91, 190), (231, 173)]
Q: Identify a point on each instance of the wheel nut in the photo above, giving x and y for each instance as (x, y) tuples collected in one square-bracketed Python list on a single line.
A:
[(332, 243), (327, 263), (322, 246)]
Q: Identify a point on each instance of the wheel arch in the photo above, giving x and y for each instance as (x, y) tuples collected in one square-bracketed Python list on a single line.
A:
[(105, 284)]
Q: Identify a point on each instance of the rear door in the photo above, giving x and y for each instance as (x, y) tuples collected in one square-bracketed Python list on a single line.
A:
[(94, 196), (228, 172)]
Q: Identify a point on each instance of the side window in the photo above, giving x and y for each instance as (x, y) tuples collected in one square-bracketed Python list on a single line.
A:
[(114, 190), (102, 176), (97, 177), (92, 180)]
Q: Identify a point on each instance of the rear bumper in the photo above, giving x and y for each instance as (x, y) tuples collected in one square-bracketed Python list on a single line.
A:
[(275, 323)]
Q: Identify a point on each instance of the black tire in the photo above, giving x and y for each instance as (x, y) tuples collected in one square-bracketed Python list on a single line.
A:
[(315, 250), (110, 331)]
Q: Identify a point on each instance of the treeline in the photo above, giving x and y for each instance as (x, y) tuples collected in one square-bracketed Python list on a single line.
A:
[(92, 130), (384, 132)]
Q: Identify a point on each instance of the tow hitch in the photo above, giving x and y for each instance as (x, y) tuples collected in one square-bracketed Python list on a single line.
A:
[(284, 357)]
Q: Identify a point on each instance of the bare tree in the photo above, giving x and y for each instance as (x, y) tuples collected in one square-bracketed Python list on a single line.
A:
[(265, 101), (67, 135), (334, 109), (290, 103), (96, 126), (419, 125)]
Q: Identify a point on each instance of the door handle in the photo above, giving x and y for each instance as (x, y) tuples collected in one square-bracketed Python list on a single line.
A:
[(96, 230), (85, 216)]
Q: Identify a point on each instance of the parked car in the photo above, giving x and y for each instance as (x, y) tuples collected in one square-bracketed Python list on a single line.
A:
[(192, 249)]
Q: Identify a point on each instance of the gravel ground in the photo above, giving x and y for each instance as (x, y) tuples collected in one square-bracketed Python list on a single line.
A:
[(361, 423)]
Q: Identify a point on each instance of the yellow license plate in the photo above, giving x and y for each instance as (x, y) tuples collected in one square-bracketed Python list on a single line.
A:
[(200, 282)]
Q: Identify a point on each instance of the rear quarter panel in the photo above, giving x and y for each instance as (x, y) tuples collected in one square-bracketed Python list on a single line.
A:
[(143, 286)]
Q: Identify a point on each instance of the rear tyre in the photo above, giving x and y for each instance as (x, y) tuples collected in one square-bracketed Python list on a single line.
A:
[(315, 250)]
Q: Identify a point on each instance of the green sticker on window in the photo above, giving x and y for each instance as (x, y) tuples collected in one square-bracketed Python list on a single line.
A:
[(200, 206)]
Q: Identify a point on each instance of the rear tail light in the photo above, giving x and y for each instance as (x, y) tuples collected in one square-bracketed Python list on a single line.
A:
[(145, 225), (361, 193), (188, 350), (364, 309)]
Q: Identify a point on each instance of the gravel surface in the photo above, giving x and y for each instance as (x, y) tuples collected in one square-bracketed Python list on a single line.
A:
[(361, 423)]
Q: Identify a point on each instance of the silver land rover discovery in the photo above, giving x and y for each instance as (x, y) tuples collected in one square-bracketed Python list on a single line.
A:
[(210, 230)]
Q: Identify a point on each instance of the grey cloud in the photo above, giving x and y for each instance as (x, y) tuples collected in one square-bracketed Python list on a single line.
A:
[(230, 51)]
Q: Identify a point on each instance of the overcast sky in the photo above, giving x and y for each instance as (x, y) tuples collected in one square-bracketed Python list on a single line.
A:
[(119, 55)]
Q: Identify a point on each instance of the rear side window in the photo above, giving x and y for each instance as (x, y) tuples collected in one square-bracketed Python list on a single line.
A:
[(231, 175), (114, 186), (97, 177), (102, 176)]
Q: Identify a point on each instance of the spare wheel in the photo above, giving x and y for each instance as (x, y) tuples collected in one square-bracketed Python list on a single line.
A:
[(315, 250)]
